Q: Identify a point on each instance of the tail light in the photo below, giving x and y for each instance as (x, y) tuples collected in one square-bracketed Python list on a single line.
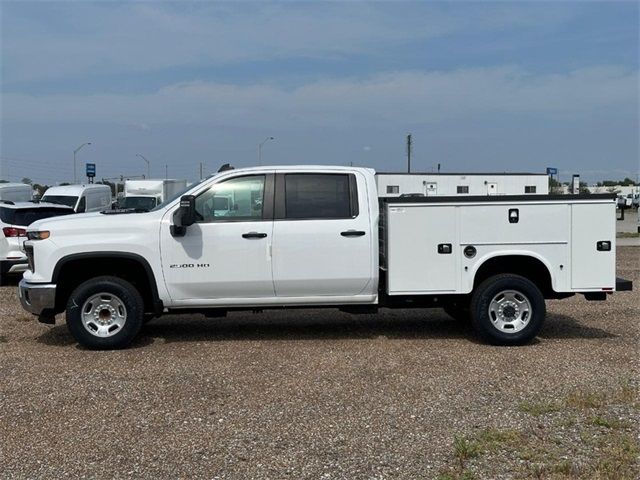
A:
[(14, 232)]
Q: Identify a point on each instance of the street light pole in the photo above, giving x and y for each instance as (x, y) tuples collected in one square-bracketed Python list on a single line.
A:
[(75, 177), (260, 149), (148, 165)]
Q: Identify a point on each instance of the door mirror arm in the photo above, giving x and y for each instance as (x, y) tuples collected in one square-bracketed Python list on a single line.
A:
[(184, 216)]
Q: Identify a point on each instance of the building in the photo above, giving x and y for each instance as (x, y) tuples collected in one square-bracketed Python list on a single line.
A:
[(396, 184)]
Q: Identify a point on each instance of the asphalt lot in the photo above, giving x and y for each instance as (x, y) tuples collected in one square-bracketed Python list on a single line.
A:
[(321, 394)]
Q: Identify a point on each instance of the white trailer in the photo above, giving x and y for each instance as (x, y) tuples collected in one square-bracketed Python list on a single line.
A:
[(16, 192), (147, 194), (442, 184)]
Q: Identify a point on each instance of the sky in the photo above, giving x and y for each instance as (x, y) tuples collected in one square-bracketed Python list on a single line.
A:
[(481, 86)]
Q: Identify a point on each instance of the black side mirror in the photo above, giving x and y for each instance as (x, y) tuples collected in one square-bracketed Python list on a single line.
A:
[(185, 216)]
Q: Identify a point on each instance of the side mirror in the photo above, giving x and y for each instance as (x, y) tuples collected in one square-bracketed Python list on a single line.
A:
[(185, 216)]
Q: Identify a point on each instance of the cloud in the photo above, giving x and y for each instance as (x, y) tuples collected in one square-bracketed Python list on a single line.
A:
[(65, 40), (390, 98)]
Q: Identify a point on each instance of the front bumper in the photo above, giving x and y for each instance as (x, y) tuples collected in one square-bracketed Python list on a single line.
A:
[(37, 298)]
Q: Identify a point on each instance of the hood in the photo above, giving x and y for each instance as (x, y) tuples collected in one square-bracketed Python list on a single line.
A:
[(94, 221)]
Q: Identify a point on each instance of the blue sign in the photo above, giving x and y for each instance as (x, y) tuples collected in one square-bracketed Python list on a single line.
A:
[(91, 170), (552, 171)]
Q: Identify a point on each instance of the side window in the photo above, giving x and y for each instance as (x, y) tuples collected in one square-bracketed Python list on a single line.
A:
[(393, 188), (462, 189), (530, 189), (82, 206), (236, 199), (311, 195)]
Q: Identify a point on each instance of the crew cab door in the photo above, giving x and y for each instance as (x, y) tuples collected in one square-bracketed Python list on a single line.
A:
[(226, 253), (322, 236)]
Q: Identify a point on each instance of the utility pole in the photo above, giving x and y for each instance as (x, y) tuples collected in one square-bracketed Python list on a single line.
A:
[(147, 162), (260, 149), (166, 171), (409, 148), (75, 176), (200, 170)]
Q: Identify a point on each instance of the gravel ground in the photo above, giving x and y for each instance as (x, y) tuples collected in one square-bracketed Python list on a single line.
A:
[(320, 394)]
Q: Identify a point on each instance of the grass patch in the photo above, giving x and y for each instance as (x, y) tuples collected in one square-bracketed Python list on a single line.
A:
[(3, 339), (538, 408), (465, 449), (612, 423), (620, 457), (628, 235), (582, 399)]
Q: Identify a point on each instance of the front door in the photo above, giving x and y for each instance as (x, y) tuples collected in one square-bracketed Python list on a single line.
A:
[(322, 237), (226, 253)]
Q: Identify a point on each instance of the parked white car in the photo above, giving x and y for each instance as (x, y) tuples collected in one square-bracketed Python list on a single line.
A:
[(296, 236), (16, 192), (82, 198), (15, 217)]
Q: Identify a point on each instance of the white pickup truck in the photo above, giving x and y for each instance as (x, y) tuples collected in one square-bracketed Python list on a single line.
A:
[(287, 237)]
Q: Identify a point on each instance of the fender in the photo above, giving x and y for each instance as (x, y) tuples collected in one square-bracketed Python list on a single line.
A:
[(157, 302), (514, 253)]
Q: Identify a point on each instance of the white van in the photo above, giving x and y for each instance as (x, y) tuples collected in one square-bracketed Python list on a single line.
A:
[(82, 198), (16, 192)]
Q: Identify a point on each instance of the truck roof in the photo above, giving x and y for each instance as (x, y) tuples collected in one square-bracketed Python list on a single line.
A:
[(75, 190), (298, 168), (6, 186), (444, 174), (18, 205)]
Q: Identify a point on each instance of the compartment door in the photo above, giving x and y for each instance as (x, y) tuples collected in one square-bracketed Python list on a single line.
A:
[(590, 224), (423, 252)]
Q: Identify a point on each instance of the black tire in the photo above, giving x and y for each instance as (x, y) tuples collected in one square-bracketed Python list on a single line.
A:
[(3, 274), (123, 291), (483, 321)]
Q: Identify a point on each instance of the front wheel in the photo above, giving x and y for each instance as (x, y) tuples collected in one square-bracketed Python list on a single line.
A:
[(105, 313), (507, 310)]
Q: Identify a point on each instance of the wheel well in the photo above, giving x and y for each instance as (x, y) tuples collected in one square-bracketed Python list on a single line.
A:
[(72, 272), (523, 265)]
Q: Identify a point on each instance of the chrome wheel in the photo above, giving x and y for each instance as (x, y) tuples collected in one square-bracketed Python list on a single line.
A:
[(103, 314), (510, 311)]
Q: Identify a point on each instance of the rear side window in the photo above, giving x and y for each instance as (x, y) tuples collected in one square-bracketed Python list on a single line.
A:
[(312, 196), (26, 216)]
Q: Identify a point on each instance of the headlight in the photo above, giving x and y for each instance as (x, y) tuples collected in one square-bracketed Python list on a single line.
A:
[(41, 235)]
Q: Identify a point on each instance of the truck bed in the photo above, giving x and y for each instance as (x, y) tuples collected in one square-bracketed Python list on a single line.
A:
[(436, 245)]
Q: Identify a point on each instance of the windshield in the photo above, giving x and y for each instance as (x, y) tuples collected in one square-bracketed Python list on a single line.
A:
[(138, 203), (26, 216), (67, 200), (180, 193)]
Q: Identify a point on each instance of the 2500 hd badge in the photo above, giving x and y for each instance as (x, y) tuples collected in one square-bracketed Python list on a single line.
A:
[(189, 265)]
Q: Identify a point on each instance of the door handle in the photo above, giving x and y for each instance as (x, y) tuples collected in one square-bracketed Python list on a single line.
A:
[(254, 235), (353, 233), (445, 248)]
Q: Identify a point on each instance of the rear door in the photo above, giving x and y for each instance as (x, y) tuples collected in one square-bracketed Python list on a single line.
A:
[(322, 237)]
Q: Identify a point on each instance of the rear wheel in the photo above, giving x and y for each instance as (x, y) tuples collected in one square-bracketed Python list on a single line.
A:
[(105, 313), (507, 310)]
